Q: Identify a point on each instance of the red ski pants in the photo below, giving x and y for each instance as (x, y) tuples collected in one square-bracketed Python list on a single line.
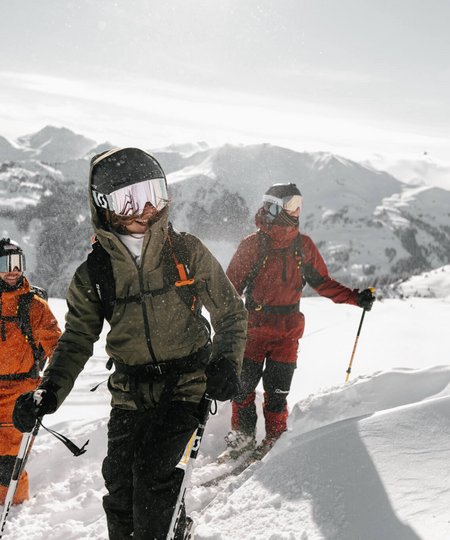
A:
[(277, 378)]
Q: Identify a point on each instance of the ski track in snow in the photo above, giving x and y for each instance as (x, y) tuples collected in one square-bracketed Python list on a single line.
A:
[(363, 461)]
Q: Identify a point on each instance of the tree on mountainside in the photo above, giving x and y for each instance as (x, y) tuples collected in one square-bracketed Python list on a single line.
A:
[(64, 239)]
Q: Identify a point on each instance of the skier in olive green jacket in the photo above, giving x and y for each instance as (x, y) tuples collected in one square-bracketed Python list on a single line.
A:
[(160, 346)]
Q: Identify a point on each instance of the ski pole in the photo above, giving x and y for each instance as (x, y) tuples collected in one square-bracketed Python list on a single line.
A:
[(349, 369), (188, 461), (19, 466)]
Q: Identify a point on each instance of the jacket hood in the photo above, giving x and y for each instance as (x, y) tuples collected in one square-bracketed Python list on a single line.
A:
[(281, 236)]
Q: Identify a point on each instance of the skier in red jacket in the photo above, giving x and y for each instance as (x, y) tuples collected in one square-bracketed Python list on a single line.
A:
[(270, 267)]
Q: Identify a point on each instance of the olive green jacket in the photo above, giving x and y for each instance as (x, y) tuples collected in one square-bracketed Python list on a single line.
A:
[(160, 328)]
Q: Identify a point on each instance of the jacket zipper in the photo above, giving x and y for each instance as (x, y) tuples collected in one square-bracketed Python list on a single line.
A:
[(144, 308), (146, 324)]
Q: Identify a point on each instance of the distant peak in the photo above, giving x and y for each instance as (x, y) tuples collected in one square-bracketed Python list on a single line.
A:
[(45, 132), (329, 158), (53, 143)]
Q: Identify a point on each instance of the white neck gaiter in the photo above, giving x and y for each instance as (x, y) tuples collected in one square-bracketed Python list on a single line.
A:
[(134, 244)]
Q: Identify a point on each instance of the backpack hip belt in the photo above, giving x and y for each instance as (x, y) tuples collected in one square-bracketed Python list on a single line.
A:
[(276, 310), (170, 370), (32, 374)]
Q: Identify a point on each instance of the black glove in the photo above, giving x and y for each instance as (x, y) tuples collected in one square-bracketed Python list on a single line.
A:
[(31, 406), (222, 379), (366, 298)]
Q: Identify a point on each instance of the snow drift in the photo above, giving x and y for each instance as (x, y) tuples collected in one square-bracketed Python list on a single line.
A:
[(368, 472), (363, 461)]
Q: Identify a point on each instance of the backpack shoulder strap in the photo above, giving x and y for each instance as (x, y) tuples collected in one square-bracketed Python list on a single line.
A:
[(298, 254), (24, 323), (264, 243), (177, 270), (180, 257), (102, 278), (264, 247), (297, 245), (39, 291)]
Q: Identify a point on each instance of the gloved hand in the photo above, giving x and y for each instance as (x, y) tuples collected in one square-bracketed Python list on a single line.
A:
[(33, 405), (366, 298), (222, 379)]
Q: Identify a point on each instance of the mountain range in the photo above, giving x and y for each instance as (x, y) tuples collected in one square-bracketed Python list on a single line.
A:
[(370, 227)]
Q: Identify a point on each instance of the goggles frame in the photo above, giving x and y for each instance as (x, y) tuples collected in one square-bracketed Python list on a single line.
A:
[(274, 205), (130, 201), (12, 260)]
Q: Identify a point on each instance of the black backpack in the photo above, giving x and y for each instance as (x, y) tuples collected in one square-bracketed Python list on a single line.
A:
[(24, 323)]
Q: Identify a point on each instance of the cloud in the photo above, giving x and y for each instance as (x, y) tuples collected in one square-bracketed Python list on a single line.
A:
[(125, 109)]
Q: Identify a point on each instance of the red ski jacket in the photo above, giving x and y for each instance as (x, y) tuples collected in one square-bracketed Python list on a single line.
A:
[(285, 260)]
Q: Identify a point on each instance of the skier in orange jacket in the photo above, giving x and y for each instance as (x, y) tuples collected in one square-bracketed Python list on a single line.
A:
[(28, 334)]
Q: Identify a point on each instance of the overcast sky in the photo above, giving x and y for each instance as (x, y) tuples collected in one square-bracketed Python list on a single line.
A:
[(357, 77)]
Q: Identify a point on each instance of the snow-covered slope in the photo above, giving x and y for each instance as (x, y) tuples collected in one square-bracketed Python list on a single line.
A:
[(12, 151), (24, 185), (357, 463), (361, 461), (433, 284)]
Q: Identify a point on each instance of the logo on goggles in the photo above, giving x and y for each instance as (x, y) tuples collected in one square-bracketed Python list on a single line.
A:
[(100, 200)]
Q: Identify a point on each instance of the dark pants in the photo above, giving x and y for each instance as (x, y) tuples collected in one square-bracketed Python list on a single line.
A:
[(277, 378), (140, 470)]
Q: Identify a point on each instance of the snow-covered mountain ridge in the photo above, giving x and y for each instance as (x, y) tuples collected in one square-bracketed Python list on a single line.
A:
[(432, 284), (370, 227)]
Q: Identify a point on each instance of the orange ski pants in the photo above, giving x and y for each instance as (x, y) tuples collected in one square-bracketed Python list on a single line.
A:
[(10, 438)]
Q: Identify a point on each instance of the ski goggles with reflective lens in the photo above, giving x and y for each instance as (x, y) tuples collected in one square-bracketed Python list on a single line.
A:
[(131, 200), (11, 262), (274, 205)]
